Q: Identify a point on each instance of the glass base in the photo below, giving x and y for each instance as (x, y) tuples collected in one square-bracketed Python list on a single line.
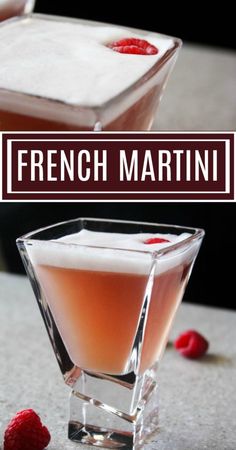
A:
[(114, 411)]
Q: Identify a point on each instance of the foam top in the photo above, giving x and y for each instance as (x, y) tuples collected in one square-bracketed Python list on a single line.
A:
[(110, 252), (69, 61), (123, 240)]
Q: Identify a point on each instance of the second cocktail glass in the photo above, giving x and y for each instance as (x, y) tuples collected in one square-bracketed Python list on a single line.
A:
[(108, 292)]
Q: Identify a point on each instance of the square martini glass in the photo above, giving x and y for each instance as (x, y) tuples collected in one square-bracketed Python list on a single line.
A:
[(108, 309), (11, 8), (44, 91)]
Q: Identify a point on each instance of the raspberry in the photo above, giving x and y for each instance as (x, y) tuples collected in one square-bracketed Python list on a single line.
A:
[(191, 344), (155, 241), (133, 46), (26, 432)]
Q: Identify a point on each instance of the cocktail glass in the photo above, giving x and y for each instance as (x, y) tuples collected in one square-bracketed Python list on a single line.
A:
[(131, 109), (10, 8), (108, 313)]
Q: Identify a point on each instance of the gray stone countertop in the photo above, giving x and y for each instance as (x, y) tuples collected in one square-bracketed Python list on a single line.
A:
[(197, 398), (201, 92)]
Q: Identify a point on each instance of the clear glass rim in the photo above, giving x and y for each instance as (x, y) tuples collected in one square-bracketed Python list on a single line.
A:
[(177, 43), (197, 233)]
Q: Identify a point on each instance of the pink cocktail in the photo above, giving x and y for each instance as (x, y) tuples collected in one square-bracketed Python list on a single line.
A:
[(111, 293), (108, 292)]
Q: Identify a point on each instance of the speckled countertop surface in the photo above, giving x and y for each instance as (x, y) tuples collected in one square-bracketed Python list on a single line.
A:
[(201, 92), (197, 398)]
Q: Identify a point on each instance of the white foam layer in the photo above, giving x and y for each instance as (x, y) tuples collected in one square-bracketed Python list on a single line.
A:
[(69, 61), (122, 240), (124, 256)]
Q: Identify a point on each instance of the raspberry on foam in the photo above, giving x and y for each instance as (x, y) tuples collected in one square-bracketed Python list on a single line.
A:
[(133, 46), (155, 241)]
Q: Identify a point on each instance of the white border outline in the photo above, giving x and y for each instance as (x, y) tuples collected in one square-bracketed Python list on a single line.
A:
[(227, 171), (148, 200)]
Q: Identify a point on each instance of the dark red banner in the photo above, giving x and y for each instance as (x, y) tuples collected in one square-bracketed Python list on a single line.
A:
[(118, 166)]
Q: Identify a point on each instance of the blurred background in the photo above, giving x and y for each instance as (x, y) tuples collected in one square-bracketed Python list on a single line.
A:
[(198, 22), (212, 281)]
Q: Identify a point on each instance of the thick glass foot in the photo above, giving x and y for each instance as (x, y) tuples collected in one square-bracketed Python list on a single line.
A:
[(114, 411)]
